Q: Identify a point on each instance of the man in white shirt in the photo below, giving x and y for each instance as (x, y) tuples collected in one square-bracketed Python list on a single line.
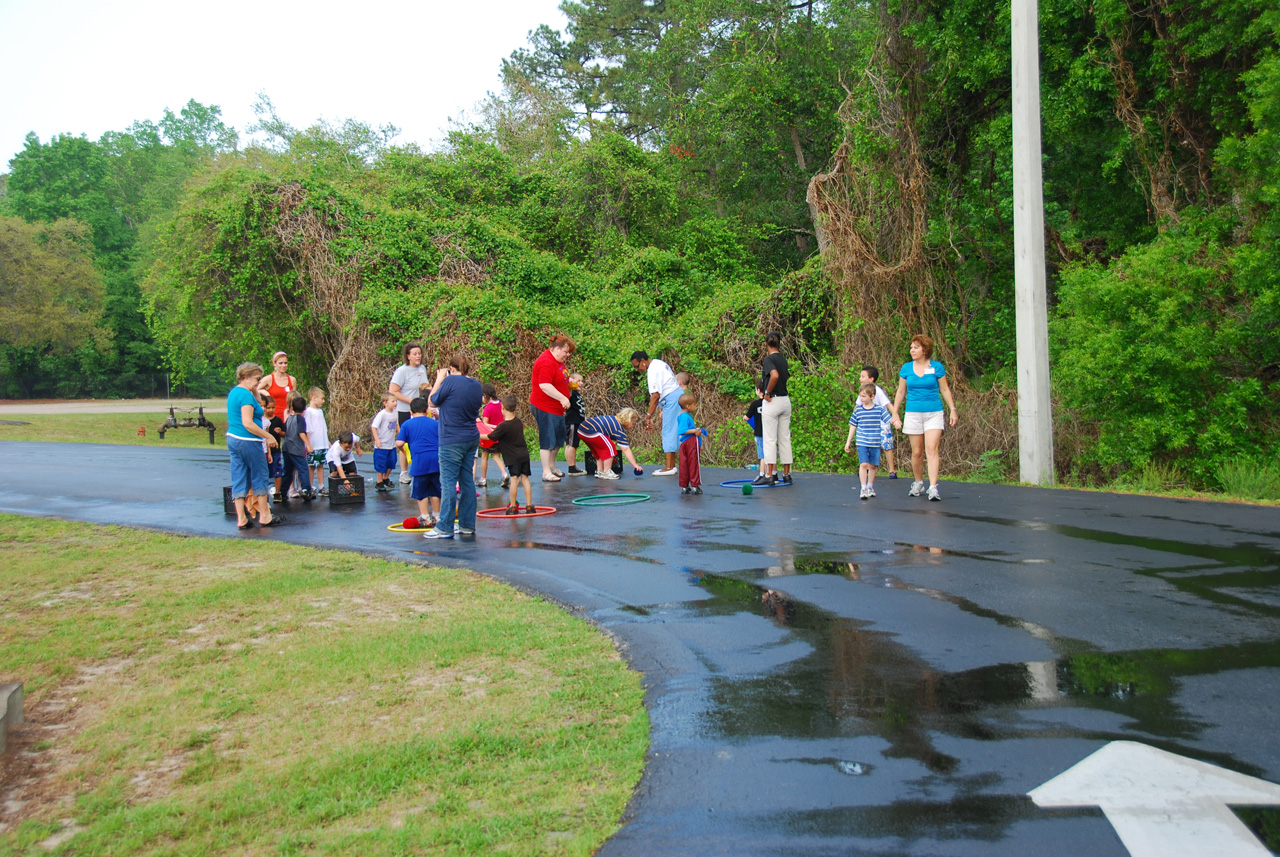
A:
[(664, 391)]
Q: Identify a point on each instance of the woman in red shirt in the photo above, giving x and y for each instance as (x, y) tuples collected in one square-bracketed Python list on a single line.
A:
[(280, 385), (548, 400)]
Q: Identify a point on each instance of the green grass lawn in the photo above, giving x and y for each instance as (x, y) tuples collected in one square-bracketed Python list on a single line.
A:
[(203, 696), (114, 428)]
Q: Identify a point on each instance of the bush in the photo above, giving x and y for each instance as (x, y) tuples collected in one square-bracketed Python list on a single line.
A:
[(1162, 351), (1250, 479)]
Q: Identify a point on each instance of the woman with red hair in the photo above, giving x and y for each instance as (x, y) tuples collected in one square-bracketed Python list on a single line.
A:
[(922, 383)]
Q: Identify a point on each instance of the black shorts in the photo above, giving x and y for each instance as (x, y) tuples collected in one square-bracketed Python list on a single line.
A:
[(571, 434), (521, 469)]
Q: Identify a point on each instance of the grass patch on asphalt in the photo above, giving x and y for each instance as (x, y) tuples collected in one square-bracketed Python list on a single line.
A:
[(114, 428), (203, 696)]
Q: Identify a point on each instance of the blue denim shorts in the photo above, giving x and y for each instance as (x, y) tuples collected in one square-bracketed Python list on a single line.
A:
[(551, 428), (869, 455), (248, 467)]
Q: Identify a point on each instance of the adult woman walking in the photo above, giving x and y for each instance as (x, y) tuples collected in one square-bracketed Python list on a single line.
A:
[(406, 384), (549, 399), (279, 385), (458, 400), (775, 411), (245, 435), (922, 383)]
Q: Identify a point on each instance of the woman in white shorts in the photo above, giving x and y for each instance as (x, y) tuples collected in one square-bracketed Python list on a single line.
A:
[(922, 383)]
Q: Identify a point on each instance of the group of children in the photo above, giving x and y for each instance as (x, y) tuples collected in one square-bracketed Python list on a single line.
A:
[(502, 436), (297, 466), (871, 426), (305, 450)]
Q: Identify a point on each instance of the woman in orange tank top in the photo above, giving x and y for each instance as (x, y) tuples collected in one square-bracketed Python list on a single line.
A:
[(280, 385)]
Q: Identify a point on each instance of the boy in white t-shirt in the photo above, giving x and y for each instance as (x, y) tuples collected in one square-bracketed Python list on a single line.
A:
[(870, 375), (318, 437), (341, 457), (385, 426)]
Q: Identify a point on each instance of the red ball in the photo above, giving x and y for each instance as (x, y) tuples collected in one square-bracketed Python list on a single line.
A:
[(410, 523)]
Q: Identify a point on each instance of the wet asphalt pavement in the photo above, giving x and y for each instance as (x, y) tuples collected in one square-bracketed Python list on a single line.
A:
[(829, 676)]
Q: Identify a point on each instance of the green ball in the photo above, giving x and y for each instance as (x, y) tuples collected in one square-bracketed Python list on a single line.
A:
[(747, 489)]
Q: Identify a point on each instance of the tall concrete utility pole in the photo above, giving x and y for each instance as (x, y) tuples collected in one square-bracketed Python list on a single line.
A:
[(1035, 417)]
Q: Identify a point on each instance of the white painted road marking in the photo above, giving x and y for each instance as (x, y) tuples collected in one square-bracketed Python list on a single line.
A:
[(1162, 804)]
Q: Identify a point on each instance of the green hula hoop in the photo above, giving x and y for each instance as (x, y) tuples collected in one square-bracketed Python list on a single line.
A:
[(610, 499)]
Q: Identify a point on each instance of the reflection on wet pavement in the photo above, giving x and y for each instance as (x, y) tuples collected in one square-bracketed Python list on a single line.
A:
[(834, 678)]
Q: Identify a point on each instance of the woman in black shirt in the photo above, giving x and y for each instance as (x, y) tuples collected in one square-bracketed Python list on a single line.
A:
[(776, 412)]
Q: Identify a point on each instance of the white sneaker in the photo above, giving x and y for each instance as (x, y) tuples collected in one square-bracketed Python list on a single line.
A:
[(933, 493), (666, 471), (871, 492), (606, 474), (862, 495), (405, 478), (917, 488)]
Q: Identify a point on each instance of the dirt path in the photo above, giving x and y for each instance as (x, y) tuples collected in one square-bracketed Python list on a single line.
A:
[(12, 407)]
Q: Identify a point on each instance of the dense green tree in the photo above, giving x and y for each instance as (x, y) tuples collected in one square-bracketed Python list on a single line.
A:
[(50, 293), (743, 94)]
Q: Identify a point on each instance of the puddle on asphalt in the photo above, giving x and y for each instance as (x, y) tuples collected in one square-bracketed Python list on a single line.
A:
[(974, 817), (857, 681)]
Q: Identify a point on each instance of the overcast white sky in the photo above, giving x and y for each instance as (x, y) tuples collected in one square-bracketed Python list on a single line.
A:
[(89, 66)]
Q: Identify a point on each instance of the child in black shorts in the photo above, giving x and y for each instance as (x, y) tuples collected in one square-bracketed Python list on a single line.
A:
[(515, 453)]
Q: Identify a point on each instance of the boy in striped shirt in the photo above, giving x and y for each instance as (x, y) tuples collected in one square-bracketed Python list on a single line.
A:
[(867, 422)]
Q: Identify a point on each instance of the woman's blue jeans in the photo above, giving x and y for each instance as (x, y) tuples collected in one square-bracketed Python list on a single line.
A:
[(455, 469)]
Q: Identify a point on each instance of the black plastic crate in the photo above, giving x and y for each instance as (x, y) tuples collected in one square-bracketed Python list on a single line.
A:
[(344, 492), (228, 505)]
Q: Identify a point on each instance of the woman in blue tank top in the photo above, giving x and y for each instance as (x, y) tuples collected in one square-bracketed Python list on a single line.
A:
[(922, 384), (245, 436)]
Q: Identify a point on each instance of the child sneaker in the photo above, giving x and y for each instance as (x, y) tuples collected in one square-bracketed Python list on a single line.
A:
[(577, 471), (696, 489), (871, 491), (405, 478), (862, 495)]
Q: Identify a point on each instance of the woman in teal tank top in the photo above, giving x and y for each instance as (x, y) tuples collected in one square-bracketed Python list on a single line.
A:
[(922, 385)]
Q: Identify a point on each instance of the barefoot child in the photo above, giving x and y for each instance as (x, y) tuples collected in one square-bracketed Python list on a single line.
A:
[(420, 435), (868, 422), (275, 460), (515, 452)]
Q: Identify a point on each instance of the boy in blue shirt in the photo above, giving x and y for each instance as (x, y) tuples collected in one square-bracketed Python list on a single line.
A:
[(690, 439), (868, 421), (421, 435)]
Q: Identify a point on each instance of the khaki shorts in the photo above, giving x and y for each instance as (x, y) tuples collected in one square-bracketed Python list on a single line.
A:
[(919, 422)]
